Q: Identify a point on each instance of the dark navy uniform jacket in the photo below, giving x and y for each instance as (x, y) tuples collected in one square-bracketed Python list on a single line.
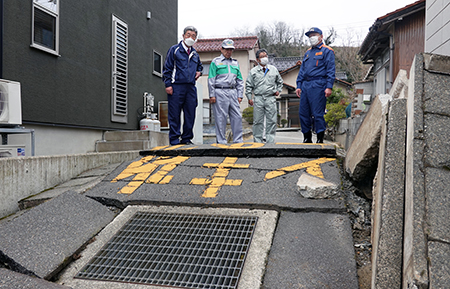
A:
[(179, 67), (318, 63)]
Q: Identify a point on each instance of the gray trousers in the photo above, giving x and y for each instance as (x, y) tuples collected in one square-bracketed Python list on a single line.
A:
[(264, 106), (227, 104)]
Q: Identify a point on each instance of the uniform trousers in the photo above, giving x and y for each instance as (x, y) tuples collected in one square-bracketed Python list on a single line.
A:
[(184, 98), (227, 104), (264, 106), (313, 103)]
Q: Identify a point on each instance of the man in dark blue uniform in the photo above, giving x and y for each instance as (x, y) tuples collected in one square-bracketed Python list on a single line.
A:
[(181, 70), (314, 82)]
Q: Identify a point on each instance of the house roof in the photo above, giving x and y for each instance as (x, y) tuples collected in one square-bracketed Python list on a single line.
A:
[(348, 84), (215, 44), (377, 40), (284, 63), (298, 64)]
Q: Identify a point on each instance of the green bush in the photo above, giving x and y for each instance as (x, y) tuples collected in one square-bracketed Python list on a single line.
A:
[(335, 112), (336, 96), (247, 114)]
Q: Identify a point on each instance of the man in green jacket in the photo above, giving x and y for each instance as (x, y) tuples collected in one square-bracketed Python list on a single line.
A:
[(265, 82)]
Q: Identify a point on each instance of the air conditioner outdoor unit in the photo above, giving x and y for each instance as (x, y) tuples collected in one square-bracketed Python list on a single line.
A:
[(12, 151), (10, 103)]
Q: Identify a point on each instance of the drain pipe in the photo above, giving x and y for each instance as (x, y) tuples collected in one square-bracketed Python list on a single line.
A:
[(1, 38), (391, 60)]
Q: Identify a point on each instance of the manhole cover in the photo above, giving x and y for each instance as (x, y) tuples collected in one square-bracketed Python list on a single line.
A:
[(181, 250)]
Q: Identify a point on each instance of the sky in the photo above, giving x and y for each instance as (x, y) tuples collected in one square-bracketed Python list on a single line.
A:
[(350, 18)]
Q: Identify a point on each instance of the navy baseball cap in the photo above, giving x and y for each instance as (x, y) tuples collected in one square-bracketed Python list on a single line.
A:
[(312, 30)]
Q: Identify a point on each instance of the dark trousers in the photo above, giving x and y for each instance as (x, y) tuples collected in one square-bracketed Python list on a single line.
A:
[(184, 98), (312, 104)]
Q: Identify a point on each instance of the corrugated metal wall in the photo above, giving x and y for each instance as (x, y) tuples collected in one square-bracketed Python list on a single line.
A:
[(409, 39)]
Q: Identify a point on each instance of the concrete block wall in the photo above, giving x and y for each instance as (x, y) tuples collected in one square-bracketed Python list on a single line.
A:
[(23, 177), (426, 262), (411, 193)]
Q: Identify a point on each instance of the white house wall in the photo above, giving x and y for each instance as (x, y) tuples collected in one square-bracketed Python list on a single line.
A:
[(437, 31)]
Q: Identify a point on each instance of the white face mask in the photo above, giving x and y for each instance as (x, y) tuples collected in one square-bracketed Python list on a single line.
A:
[(189, 41), (264, 61), (314, 40)]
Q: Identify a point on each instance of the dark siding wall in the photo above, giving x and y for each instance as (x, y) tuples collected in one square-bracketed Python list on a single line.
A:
[(409, 40), (75, 88)]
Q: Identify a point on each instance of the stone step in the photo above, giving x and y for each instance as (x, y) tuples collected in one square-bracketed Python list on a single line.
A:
[(132, 135), (111, 146)]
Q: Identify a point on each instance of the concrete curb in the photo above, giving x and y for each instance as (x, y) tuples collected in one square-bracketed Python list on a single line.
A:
[(23, 177)]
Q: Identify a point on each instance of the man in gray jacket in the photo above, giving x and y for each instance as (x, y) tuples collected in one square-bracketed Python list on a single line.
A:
[(265, 82), (226, 88)]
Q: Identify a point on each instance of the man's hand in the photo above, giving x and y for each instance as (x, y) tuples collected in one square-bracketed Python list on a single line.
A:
[(327, 92), (250, 102), (298, 91), (212, 100), (240, 99), (169, 90), (276, 93), (197, 75)]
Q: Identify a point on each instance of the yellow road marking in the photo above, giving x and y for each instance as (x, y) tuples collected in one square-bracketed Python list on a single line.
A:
[(142, 171), (219, 178), (312, 168), (242, 145), (159, 148)]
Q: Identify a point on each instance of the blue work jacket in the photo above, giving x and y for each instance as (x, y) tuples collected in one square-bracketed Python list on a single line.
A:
[(318, 63), (179, 67)]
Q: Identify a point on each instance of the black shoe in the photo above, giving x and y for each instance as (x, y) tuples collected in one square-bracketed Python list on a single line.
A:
[(307, 137), (320, 137), (187, 143)]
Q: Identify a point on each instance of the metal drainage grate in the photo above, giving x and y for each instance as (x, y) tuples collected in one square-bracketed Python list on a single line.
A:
[(182, 250)]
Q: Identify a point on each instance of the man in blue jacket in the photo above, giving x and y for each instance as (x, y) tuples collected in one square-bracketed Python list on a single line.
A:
[(181, 70), (314, 82)]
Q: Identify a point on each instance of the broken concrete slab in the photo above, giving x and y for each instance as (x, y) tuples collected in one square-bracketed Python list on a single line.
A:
[(312, 187), (44, 239), (311, 250), (10, 279), (388, 201), (401, 81), (439, 258), (362, 155)]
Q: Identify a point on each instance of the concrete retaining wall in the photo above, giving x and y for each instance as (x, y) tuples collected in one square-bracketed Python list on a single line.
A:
[(23, 177), (411, 194), (427, 190)]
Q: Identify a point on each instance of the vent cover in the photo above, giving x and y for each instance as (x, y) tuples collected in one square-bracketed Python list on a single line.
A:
[(181, 250)]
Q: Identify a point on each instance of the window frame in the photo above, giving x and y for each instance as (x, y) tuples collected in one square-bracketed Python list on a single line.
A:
[(160, 74), (119, 93), (35, 5)]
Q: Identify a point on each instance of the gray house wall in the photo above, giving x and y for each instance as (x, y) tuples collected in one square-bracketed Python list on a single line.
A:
[(437, 30), (73, 90)]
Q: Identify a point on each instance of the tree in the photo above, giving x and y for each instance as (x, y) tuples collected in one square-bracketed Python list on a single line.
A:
[(347, 58)]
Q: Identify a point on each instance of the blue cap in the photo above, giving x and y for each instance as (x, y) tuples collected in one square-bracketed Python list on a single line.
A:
[(312, 30)]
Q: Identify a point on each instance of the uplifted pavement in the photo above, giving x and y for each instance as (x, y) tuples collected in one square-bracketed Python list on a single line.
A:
[(312, 245)]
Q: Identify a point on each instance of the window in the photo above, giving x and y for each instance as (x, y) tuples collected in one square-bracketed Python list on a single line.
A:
[(119, 88), (157, 63), (45, 31)]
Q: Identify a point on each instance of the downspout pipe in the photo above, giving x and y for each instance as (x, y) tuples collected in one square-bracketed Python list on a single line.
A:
[(391, 60), (1, 38)]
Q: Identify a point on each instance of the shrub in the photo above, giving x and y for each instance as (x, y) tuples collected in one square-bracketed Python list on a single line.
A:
[(247, 114)]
